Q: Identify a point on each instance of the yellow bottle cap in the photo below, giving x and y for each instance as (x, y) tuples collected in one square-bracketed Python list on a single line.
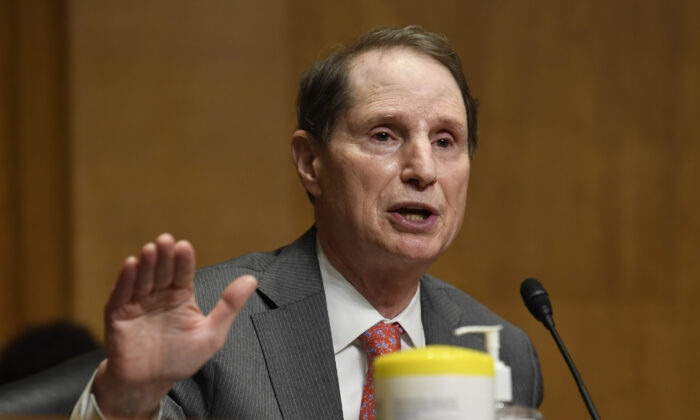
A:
[(433, 360)]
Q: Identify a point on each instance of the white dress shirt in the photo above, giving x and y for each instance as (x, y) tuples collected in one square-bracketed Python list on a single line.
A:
[(350, 314)]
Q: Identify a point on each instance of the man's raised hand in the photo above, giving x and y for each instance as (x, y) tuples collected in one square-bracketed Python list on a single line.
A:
[(154, 331)]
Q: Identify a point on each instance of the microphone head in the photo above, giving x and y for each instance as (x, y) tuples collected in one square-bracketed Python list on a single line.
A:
[(537, 300)]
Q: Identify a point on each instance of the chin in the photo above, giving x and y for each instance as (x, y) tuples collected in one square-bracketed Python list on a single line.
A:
[(417, 251)]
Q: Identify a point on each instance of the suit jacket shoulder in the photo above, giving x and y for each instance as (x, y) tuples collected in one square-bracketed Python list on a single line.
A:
[(278, 359), (445, 308)]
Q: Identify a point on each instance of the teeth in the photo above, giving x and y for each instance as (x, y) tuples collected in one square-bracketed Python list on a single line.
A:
[(414, 216)]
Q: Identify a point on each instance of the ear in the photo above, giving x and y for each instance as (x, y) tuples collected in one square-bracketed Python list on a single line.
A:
[(306, 157)]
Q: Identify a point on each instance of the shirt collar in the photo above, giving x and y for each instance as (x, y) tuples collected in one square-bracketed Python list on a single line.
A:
[(350, 314)]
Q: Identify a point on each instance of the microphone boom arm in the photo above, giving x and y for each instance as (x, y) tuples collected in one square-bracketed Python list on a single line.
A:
[(572, 367), (537, 302)]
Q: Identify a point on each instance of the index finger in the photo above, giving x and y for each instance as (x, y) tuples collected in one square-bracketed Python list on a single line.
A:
[(124, 287)]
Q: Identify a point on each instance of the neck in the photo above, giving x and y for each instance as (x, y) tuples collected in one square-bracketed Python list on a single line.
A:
[(389, 287)]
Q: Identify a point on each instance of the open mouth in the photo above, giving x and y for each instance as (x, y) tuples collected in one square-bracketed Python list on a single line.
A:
[(414, 214)]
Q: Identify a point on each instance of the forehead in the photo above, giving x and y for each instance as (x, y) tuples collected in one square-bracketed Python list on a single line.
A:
[(402, 80)]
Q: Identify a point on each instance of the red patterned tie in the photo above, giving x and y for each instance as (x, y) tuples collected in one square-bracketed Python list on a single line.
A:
[(379, 339)]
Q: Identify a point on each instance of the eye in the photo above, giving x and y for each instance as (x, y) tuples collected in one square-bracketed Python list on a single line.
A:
[(443, 142), (382, 136)]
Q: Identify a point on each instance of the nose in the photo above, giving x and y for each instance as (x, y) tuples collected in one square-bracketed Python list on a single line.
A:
[(419, 166)]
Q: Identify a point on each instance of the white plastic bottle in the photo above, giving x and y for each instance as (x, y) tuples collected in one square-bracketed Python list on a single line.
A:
[(434, 382)]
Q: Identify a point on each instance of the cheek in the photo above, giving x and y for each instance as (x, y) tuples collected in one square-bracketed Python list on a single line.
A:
[(359, 182), (383, 183), (348, 185), (456, 189), (372, 175)]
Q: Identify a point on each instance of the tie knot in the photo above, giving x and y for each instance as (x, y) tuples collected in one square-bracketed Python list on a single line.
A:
[(381, 338)]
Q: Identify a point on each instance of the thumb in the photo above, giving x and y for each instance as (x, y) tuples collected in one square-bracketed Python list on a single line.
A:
[(232, 300)]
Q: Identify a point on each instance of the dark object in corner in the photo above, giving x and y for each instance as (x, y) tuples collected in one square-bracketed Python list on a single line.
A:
[(53, 392), (41, 347)]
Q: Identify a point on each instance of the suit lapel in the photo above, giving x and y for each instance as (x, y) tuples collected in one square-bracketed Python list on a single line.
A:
[(295, 335)]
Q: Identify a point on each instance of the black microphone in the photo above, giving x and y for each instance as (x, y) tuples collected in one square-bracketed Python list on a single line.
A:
[(537, 302)]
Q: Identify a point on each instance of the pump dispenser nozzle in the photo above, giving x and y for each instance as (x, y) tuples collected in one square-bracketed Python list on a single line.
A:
[(503, 391)]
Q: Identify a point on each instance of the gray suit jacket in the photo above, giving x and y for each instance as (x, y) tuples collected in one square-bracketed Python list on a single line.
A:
[(278, 360)]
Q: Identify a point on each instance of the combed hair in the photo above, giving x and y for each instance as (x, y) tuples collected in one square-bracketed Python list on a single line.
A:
[(324, 92)]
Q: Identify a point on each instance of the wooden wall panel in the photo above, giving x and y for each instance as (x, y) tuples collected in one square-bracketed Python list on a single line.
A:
[(35, 191), (8, 213), (181, 122), (42, 163)]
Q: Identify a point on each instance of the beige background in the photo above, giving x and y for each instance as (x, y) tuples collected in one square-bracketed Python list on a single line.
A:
[(123, 119)]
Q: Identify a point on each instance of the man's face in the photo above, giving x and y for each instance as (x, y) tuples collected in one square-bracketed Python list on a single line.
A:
[(393, 177)]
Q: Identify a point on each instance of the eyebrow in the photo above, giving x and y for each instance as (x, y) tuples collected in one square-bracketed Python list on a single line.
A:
[(451, 122)]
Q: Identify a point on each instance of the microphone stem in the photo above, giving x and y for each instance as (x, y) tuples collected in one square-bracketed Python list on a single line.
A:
[(581, 387)]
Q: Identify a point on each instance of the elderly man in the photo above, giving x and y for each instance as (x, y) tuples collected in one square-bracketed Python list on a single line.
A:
[(386, 132)]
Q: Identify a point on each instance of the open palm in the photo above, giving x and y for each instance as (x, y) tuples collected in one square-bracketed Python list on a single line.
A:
[(155, 333)]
